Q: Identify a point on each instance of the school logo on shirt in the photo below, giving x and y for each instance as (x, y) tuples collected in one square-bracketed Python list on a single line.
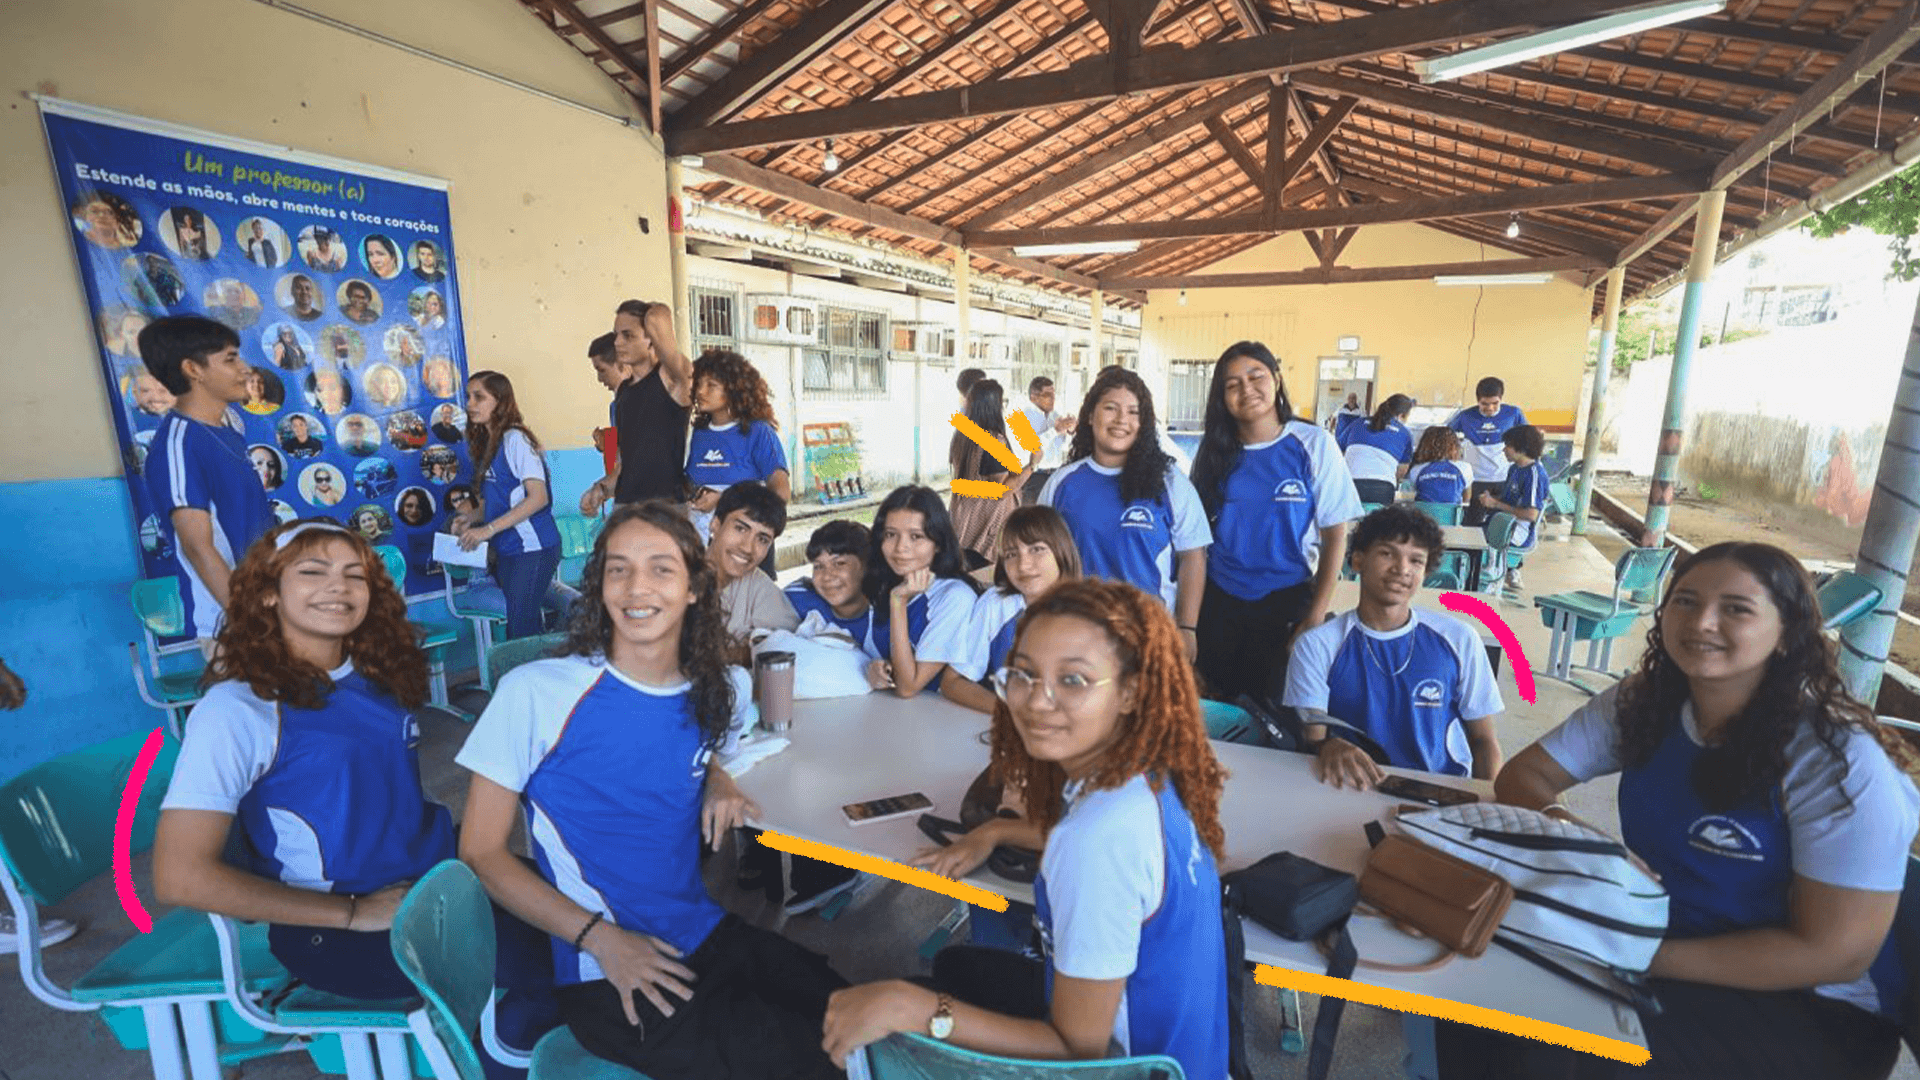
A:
[(715, 456), (1136, 517), (1290, 491), (1720, 835), (700, 759), (1429, 694)]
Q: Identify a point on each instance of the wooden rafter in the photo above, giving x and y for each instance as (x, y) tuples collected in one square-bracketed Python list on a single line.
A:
[(719, 35), (1237, 151), (1272, 181), (1355, 275), (821, 29)]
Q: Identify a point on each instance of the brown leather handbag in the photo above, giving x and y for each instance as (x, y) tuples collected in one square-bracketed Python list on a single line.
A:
[(1431, 893)]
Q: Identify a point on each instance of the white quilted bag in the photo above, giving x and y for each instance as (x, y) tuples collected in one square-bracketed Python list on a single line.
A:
[(1576, 892)]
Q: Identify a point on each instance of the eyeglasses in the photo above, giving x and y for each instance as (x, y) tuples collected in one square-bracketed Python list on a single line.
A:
[(1015, 687)]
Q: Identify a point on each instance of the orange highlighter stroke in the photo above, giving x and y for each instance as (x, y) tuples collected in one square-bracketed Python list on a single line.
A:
[(886, 868)]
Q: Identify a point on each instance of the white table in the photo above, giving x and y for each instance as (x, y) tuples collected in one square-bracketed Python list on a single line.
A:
[(1472, 540), (853, 749)]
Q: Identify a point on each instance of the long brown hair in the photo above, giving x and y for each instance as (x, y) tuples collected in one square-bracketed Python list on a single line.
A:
[(1801, 685), (748, 397), (1162, 736), (483, 440), (253, 650), (1037, 525), (1436, 444)]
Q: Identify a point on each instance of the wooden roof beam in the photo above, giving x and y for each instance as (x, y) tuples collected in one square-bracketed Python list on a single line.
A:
[(1238, 152), (615, 51), (714, 38), (1356, 275), (1104, 77), (797, 46), (1322, 130)]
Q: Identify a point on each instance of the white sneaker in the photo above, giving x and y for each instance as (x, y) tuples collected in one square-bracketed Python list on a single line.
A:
[(52, 932), (1513, 579)]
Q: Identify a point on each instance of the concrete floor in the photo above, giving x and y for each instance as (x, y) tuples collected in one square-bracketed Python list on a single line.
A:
[(878, 935)]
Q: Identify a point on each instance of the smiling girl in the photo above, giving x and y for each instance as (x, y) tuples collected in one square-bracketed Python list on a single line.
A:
[(1036, 552), (306, 736), (1776, 813), (735, 436), (507, 460), (1099, 723), (917, 585)]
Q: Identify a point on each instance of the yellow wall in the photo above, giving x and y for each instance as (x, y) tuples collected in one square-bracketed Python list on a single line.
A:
[(1427, 337), (545, 198)]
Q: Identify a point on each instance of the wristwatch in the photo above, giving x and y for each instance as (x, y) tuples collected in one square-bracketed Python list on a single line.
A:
[(940, 1024)]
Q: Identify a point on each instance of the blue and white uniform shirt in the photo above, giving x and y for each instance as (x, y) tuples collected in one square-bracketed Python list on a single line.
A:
[(1526, 486), (1128, 890), (1441, 481), (978, 646), (1407, 689), (805, 601), (328, 799), (1377, 455), (936, 621), (611, 773), (1134, 541), (196, 466), (1484, 437), (721, 455), (1273, 506), (505, 487), (1844, 820)]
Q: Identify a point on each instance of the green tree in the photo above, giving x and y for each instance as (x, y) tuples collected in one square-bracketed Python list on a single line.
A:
[(1890, 208)]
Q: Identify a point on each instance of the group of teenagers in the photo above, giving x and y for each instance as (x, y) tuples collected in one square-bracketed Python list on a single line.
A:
[(1773, 807)]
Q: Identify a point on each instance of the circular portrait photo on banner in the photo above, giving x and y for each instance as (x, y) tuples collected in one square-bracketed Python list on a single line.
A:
[(406, 431), (328, 390), (283, 512), (299, 296), (106, 220), (120, 328), (322, 248), (371, 520), (189, 233), (427, 308), (263, 241), (375, 477), (386, 387), (142, 444), (440, 465), (301, 435), (439, 377), (381, 256), (427, 260), (359, 434), (403, 345), (152, 281), (450, 423), (460, 500), (359, 302), (143, 392), (268, 465), (342, 344), (153, 540), (414, 507), (231, 301), (322, 484), (265, 395), (287, 345)]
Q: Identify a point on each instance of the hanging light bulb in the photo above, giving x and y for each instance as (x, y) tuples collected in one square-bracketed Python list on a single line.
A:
[(1513, 227), (1183, 298), (832, 162)]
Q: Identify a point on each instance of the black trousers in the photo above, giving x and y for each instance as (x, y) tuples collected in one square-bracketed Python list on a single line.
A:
[(1475, 514), (1377, 492), (1703, 1033), (757, 1013), (1243, 643), (1009, 983)]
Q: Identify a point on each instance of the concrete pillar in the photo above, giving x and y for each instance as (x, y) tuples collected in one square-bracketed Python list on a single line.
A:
[(1099, 317), (1666, 466), (1597, 407), (683, 313), (1893, 522), (962, 310)]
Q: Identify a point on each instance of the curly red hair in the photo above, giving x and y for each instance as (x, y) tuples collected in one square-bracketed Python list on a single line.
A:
[(748, 397), (252, 649), (1162, 736)]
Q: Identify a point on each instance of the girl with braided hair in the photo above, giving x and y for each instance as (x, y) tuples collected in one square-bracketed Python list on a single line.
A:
[(1099, 724)]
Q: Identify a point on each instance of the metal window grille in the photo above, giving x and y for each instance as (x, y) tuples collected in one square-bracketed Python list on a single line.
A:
[(851, 354), (716, 319)]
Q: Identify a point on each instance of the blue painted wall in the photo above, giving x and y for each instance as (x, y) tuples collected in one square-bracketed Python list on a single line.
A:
[(65, 621)]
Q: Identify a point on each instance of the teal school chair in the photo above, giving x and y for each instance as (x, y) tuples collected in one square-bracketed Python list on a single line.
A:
[(157, 603), (911, 1056), (508, 655), (435, 637), (483, 621), (561, 1057), (1599, 619), (1500, 553), (1231, 723), (1560, 499), (443, 941), (1845, 598), (1444, 513), (158, 991)]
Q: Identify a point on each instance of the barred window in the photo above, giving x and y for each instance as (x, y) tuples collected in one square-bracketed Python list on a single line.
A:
[(851, 356)]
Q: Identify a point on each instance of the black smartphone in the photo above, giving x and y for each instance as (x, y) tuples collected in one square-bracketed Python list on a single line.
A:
[(1401, 787), (866, 813)]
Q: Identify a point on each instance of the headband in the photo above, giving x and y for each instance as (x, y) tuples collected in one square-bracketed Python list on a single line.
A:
[(280, 542)]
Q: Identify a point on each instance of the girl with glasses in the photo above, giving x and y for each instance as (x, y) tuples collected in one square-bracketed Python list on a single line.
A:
[(1099, 724)]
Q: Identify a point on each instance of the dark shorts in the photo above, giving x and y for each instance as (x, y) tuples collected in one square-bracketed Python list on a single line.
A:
[(757, 1013)]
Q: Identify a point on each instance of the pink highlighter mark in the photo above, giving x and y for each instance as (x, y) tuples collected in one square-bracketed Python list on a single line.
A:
[(1479, 609), (123, 833)]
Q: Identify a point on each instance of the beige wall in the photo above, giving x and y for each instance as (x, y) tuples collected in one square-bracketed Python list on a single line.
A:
[(545, 198), (1427, 337)]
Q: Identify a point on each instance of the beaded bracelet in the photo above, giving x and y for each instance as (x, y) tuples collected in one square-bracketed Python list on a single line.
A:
[(580, 938)]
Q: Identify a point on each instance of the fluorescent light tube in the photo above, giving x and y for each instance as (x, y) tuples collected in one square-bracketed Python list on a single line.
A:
[(1493, 279), (1099, 247), (1546, 42)]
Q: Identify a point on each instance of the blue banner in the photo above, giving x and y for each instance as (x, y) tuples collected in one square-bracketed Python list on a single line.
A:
[(339, 280)]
